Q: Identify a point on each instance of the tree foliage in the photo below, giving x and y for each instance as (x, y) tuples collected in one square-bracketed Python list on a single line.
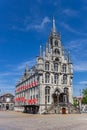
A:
[(84, 99), (75, 102)]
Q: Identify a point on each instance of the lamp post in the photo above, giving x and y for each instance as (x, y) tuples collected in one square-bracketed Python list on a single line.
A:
[(79, 101)]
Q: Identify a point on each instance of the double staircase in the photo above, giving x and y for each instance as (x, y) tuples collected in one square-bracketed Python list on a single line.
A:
[(61, 108)]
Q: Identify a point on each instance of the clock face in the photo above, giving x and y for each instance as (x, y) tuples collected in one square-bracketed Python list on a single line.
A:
[(8, 100)]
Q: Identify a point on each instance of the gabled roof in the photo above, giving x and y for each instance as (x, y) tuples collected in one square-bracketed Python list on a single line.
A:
[(7, 95)]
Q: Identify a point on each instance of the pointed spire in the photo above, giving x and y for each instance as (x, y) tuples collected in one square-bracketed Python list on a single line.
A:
[(47, 48), (69, 58), (54, 26), (26, 72), (26, 69), (40, 51), (47, 45)]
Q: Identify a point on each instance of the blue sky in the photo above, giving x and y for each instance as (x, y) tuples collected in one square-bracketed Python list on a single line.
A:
[(26, 24)]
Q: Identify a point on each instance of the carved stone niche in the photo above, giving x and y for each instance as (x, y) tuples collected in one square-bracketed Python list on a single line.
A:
[(52, 67), (52, 79)]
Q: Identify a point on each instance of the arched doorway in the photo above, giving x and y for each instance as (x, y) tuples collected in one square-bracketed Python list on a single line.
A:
[(56, 97), (63, 110), (63, 98), (7, 106), (59, 97)]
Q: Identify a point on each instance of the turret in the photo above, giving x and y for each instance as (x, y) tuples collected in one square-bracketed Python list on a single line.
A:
[(47, 49), (39, 61), (40, 51), (70, 64), (26, 73)]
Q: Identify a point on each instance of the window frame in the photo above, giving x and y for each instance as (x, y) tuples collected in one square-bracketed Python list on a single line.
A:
[(47, 94)]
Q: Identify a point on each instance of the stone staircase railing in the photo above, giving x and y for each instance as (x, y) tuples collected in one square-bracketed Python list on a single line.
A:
[(53, 107)]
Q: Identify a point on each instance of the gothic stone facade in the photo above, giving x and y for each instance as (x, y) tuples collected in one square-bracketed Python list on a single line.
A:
[(49, 82)]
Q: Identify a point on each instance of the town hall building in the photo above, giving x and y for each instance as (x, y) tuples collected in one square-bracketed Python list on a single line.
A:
[(47, 86)]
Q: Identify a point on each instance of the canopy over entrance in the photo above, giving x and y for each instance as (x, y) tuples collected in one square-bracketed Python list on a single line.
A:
[(59, 97)]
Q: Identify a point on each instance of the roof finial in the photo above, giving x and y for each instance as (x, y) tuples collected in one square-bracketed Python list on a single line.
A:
[(40, 51), (69, 58), (26, 69), (54, 26)]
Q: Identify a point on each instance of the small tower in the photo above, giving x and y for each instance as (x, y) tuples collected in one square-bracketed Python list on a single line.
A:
[(47, 49), (40, 51), (69, 58), (26, 73)]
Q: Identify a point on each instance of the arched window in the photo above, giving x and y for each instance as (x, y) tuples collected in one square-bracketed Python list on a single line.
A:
[(46, 66), (56, 43), (66, 94), (55, 67), (66, 90), (64, 68), (47, 94), (57, 52), (64, 79), (56, 78), (51, 42), (47, 78), (57, 59)]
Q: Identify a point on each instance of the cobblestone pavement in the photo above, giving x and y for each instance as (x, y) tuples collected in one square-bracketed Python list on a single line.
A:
[(20, 121)]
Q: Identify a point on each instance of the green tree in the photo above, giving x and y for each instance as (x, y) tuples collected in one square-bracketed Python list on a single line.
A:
[(75, 102), (84, 99)]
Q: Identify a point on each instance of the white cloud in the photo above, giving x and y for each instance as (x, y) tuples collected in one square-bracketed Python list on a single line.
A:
[(5, 74), (78, 54), (42, 24), (27, 26), (77, 44), (70, 29), (78, 50), (66, 26), (9, 78), (38, 26), (30, 63), (70, 12), (80, 66), (83, 82)]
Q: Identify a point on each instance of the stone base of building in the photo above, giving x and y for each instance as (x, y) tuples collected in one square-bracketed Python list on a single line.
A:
[(61, 108), (32, 109)]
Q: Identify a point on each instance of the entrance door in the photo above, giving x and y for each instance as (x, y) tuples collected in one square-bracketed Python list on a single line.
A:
[(56, 97), (63, 110), (7, 106)]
